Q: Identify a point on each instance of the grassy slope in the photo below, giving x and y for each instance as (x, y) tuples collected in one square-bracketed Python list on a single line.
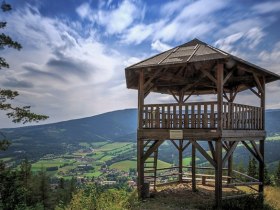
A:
[(126, 164)]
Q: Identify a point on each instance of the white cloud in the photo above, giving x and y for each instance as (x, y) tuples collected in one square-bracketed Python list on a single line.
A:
[(246, 39), (267, 7), (227, 43), (114, 19), (71, 76), (270, 59), (84, 10), (173, 6), (160, 46)]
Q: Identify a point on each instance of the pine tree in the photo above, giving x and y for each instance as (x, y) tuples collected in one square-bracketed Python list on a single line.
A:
[(252, 168)]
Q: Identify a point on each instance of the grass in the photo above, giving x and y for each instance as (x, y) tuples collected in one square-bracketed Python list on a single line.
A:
[(127, 164), (113, 146), (7, 159), (272, 196), (99, 144), (187, 161)]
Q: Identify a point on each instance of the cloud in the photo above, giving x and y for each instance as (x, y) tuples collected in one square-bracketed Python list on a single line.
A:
[(16, 83), (267, 7), (60, 71), (114, 19), (241, 40), (270, 59), (160, 46)]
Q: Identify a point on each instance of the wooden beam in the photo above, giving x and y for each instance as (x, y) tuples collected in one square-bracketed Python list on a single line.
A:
[(220, 78), (225, 96), (188, 96), (152, 77), (259, 86), (174, 96), (193, 168), (229, 153), (173, 142), (186, 146), (210, 76), (257, 151), (203, 152), (255, 92), (225, 146), (211, 147), (250, 150), (227, 77), (188, 86), (218, 174), (261, 146), (140, 98), (180, 150), (152, 148), (140, 168)]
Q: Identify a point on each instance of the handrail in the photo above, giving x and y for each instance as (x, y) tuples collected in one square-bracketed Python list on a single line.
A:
[(202, 115)]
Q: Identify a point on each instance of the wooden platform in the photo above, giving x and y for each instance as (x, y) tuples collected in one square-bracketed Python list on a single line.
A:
[(202, 134)]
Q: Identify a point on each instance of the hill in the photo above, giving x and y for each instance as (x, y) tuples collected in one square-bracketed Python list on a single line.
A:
[(62, 137)]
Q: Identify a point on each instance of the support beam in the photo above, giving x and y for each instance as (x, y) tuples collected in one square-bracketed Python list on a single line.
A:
[(140, 142), (227, 77), (174, 96), (140, 168), (255, 92), (186, 146), (203, 152), (173, 142), (218, 174), (211, 147), (229, 153), (210, 76), (261, 146), (180, 150), (152, 148), (193, 167), (257, 151), (251, 150), (152, 77), (259, 85)]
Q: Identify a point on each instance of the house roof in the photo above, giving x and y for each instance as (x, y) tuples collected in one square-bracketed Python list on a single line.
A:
[(174, 68)]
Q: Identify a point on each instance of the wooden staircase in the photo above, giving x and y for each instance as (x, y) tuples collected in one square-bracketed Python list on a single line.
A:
[(150, 167)]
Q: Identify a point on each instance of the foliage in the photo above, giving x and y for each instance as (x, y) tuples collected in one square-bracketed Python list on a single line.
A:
[(252, 168), (93, 197), (20, 189), (18, 114)]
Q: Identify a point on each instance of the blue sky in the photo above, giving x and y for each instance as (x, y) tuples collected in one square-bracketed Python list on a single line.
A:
[(74, 52)]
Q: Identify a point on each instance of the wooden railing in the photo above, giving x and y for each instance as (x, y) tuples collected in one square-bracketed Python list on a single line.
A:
[(201, 115)]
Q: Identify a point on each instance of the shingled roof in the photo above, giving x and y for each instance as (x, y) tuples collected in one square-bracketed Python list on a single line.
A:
[(181, 65)]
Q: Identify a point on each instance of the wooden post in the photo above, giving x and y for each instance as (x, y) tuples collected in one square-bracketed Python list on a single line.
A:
[(180, 150), (218, 173), (218, 145), (229, 166), (230, 159), (261, 146), (140, 145), (193, 168), (140, 168)]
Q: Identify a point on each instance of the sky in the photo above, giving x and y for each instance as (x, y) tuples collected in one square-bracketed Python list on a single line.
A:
[(75, 52)]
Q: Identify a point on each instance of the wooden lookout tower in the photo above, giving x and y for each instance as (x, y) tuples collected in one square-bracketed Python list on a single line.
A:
[(213, 128)]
